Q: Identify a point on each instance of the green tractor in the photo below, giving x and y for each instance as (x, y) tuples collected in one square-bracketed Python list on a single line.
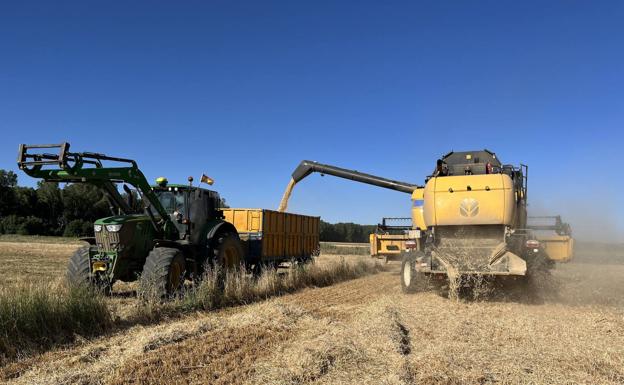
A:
[(176, 234)]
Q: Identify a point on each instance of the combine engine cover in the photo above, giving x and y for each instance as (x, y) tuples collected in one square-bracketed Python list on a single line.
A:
[(471, 209), (469, 200)]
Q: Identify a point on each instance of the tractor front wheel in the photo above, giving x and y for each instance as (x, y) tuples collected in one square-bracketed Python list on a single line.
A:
[(163, 273), (79, 267), (79, 272)]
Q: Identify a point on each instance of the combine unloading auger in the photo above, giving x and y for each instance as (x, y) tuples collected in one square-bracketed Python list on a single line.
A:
[(308, 167)]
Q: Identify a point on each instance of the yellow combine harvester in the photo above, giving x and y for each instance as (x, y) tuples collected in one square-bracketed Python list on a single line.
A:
[(470, 218)]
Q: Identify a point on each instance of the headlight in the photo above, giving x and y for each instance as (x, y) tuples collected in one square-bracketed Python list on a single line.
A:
[(113, 228), (97, 228)]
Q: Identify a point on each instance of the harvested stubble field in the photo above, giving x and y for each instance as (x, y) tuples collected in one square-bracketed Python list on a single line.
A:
[(362, 331)]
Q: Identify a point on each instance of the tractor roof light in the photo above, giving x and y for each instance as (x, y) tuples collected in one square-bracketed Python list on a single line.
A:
[(97, 228)]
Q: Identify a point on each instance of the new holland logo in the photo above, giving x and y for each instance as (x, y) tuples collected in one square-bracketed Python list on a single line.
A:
[(469, 207)]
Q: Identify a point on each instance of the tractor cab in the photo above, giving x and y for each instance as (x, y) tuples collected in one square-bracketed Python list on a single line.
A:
[(190, 208)]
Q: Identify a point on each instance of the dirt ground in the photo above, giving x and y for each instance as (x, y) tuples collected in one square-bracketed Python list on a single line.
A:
[(363, 331), (33, 261)]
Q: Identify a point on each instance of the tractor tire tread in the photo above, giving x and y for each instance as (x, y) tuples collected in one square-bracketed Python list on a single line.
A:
[(221, 240), (79, 267), (156, 270)]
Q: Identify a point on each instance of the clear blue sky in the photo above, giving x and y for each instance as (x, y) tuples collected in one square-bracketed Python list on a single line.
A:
[(245, 90)]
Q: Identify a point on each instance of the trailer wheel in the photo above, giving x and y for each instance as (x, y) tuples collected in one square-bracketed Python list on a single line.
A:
[(163, 273), (409, 275), (228, 251)]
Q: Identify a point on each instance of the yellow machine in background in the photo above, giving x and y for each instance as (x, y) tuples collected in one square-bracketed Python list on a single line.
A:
[(389, 241), (555, 238)]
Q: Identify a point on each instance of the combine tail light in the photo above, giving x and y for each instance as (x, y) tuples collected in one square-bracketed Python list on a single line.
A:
[(411, 244), (532, 244)]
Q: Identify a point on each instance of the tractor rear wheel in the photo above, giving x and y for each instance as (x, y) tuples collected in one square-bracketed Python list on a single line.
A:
[(163, 273), (79, 267)]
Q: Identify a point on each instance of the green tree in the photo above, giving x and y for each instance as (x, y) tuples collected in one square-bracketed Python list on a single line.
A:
[(345, 232), (25, 201), (50, 206), (8, 181), (83, 201), (8, 178)]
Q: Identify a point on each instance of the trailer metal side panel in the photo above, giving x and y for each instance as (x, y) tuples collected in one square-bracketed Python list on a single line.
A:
[(280, 235), (273, 235)]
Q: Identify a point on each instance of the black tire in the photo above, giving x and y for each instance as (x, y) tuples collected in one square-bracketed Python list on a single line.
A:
[(228, 255), (409, 275), (79, 272), (163, 273), (228, 252), (258, 268), (79, 267)]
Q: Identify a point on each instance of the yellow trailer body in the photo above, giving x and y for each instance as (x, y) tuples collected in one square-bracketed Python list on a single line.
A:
[(272, 235)]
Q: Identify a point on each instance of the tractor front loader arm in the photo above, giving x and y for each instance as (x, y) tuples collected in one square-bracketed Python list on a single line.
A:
[(87, 167)]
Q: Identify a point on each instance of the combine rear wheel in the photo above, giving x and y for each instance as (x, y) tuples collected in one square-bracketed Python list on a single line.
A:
[(409, 276), (163, 273)]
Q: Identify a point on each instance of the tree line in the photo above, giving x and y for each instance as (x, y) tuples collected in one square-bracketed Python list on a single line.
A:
[(345, 232), (49, 209)]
